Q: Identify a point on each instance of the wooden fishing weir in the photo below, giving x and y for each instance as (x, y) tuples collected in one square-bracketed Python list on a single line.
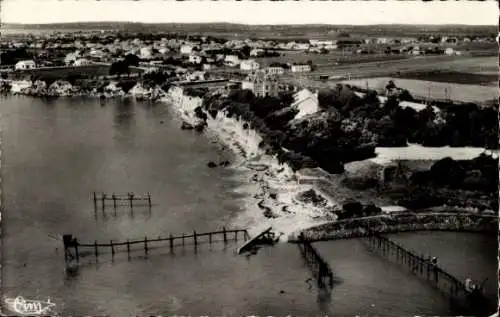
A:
[(130, 199), (471, 302), (73, 249), (319, 268)]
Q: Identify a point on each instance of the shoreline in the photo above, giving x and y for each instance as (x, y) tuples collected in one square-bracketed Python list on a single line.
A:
[(271, 187)]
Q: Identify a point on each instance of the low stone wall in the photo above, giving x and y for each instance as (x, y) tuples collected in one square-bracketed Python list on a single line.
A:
[(353, 228)]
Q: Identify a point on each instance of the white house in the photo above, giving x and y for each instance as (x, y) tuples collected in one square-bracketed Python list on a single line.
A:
[(301, 68), (23, 65), (146, 52), (275, 70), (81, 62), (249, 64), (320, 42), (306, 102), (232, 60), (186, 49)]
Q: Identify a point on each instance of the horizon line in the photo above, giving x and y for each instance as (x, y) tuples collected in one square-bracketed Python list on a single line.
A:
[(245, 24)]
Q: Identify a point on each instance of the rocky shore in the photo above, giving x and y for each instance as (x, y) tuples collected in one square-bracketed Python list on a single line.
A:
[(275, 198), (61, 88)]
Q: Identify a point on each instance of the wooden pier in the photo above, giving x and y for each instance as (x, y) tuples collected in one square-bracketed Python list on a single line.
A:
[(73, 248), (130, 199), (319, 268), (471, 302)]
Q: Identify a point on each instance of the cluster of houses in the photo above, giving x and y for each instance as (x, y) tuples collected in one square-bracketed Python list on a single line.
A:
[(84, 48)]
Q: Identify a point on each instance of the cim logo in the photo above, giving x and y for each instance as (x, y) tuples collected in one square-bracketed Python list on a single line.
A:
[(29, 307)]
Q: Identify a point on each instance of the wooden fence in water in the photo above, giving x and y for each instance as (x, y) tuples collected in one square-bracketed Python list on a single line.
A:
[(319, 268), (471, 302), (73, 249), (130, 199)]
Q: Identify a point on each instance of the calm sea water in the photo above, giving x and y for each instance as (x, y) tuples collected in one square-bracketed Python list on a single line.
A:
[(55, 154)]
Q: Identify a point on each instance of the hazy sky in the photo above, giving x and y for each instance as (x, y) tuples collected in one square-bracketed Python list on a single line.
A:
[(262, 12)]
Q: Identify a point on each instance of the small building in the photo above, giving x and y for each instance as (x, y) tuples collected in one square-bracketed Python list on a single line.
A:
[(376, 169), (24, 65), (195, 59), (186, 49), (300, 68), (391, 210), (306, 102), (275, 70), (81, 62), (146, 52), (249, 64), (232, 60), (261, 84)]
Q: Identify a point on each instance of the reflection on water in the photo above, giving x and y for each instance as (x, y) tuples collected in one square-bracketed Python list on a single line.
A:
[(56, 155)]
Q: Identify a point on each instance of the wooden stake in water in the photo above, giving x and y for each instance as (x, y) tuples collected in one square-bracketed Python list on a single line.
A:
[(96, 250), (76, 251), (131, 198), (172, 243)]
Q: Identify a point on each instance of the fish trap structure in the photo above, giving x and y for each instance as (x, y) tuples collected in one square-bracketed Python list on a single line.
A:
[(319, 268), (73, 249), (470, 301), (104, 200)]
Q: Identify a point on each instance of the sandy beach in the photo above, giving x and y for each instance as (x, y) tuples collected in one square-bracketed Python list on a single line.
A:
[(273, 187), (270, 189)]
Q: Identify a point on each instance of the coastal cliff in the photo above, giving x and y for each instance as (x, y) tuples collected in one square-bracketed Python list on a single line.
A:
[(275, 197)]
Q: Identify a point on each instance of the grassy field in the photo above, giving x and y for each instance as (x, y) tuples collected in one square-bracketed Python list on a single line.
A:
[(437, 90), (453, 77)]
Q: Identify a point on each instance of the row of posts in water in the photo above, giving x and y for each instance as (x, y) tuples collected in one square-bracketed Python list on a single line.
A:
[(73, 247), (129, 197), (318, 266), (457, 291)]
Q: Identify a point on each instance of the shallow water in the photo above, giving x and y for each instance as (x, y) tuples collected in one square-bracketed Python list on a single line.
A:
[(55, 154)]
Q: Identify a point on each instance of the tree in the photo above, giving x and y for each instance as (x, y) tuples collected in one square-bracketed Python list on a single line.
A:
[(127, 85), (245, 50), (119, 68), (132, 60)]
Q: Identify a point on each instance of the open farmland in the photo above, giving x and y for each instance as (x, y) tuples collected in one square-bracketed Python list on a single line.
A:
[(332, 58), (435, 90), (397, 68), (453, 77)]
